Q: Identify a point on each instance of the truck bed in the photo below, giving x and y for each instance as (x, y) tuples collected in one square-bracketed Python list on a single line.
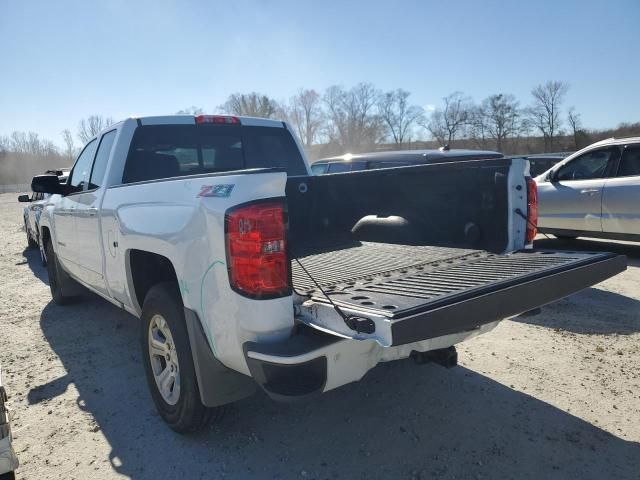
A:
[(402, 281)]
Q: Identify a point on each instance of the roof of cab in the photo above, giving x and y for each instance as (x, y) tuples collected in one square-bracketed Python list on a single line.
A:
[(413, 155), (191, 119)]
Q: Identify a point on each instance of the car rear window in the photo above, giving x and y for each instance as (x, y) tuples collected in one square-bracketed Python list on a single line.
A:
[(165, 151)]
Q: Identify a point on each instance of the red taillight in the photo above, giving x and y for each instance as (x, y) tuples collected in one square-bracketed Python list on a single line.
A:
[(219, 119), (532, 210), (256, 249)]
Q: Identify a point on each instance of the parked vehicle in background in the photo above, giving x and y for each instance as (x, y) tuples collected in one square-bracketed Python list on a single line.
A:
[(8, 459), (396, 158), (540, 163), (594, 193), (62, 173), (247, 271), (31, 215)]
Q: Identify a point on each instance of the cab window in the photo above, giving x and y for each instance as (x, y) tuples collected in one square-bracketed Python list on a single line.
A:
[(79, 179), (100, 164)]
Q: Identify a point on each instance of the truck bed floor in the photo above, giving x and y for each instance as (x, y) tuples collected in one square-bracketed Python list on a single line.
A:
[(347, 263)]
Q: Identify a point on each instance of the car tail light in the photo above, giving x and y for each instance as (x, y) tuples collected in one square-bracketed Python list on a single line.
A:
[(532, 210), (256, 249), (218, 119)]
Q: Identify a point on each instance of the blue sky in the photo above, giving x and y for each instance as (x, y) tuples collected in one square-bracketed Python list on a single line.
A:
[(64, 60)]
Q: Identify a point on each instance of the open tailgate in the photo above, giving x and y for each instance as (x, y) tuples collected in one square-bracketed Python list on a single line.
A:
[(423, 297)]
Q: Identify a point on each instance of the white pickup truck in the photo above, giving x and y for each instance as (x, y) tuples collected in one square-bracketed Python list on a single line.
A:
[(248, 271)]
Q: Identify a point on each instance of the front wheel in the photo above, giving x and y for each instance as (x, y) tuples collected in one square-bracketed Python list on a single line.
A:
[(30, 241), (168, 362), (60, 283)]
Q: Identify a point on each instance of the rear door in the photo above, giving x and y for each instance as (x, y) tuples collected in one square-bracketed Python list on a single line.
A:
[(621, 197), (88, 245), (573, 201)]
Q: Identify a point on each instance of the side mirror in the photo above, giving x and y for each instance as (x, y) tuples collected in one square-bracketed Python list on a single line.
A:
[(553, 176), (24, 198), (46, 184)]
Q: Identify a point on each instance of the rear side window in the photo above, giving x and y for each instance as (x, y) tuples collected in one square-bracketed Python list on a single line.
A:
[(165, 151), (319, 168), (387, 164), (346, 166), (100, 163), (630, 162), (82, 169), (339, 167)]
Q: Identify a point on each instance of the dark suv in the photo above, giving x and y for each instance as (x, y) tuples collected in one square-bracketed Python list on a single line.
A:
[(399, 158)]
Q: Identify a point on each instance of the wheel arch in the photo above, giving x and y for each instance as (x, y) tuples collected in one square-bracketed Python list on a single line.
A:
[(144, 270)]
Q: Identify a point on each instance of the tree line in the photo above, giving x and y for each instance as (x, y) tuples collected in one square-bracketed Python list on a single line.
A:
[(364, 118)]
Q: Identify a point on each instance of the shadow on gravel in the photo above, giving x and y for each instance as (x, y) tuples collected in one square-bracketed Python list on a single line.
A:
[(591, 311), (32, 258), (401, 421)]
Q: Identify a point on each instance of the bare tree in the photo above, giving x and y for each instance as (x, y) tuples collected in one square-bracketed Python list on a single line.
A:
[(447, 122), (353, 121), (192, 110), (477, 127), (250, 104), (69, 146), (501, 117), (89, 127), (575, 123), (398, 115), (306, 115), (544, 114)]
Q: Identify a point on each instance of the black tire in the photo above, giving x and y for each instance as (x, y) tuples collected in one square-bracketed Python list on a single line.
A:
[(188, 414), (30, 241), (8, 476), (58, 278)]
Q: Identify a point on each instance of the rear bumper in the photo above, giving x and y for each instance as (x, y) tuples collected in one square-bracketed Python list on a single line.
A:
[(312, 362)]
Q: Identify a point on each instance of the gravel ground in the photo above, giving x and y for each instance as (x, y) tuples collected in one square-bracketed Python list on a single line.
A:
[(550, 396)]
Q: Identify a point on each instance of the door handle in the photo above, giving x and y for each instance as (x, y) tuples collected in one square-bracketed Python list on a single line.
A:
[(92, 211), (589, 191)]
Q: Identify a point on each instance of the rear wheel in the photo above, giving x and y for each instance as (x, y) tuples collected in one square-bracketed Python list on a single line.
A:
[(8, 476), (168, 361)]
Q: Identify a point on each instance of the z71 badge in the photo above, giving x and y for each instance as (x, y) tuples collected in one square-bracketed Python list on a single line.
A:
[(220, 191)]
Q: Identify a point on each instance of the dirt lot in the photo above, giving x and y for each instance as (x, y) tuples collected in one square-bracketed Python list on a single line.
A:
[(556, 395)]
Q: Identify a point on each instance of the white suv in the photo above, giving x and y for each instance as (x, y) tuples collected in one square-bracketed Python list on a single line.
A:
[(593, 193)]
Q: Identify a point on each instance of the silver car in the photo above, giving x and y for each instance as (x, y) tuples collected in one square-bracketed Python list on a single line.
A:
[(593, 193)]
